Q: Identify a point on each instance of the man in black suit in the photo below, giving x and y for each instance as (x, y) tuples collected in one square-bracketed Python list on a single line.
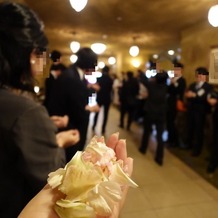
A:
[(197, 109), (104, 95), (71, 95), (175, 93), (155, 114), (128, 99)]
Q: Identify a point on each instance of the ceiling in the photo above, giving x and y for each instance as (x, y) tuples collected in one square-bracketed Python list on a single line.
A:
[(156, 25)]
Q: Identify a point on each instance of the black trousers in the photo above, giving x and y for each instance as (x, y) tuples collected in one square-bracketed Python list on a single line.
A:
[(195, 130), (213, 162), (159, 124), (127, 109), (173, 138)]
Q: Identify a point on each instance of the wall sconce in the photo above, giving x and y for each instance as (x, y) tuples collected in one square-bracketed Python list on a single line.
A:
[(75, 46), (98, 48), (78, 5), (213, 16)]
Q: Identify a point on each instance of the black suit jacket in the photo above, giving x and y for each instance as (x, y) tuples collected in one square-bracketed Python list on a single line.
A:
[(176, 92), (199, 103), (156, 102), (105, 93), (69, 97)]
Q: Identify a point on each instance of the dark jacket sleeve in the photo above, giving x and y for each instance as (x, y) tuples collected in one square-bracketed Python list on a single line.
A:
[(34, 135)]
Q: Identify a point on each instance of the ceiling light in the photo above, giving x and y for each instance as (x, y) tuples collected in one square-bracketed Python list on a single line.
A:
[(78, 5), (213, 16), (136, 63), (134, 50), (36, 89), (73, 58), (75, 46), (98, 48), (171, 52), (155, 56), (111, 60), (101, 64)]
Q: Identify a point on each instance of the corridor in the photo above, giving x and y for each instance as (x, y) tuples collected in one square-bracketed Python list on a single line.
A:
[(173, 190)]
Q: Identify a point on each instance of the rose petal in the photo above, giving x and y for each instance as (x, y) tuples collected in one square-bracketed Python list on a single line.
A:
[(55, 178), (120, 177), (66, 209)]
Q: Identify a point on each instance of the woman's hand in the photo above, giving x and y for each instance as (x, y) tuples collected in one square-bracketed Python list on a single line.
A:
[(190, 94), (60, 121), (67, 138), (42, 205)]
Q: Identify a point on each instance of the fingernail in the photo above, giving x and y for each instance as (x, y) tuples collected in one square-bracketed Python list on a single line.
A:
[(117, 134), (123, 140)]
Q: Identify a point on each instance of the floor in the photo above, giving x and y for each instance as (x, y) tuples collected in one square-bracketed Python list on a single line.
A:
[(168, 191)]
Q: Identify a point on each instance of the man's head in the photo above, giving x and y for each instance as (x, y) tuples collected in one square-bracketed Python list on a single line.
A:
[(178, 68), (55, 56), (201, 74), (106, 70), (87, 59)]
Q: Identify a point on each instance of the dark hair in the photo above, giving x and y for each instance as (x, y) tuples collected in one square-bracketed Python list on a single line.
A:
[(60, 67), (106, 69), (55, 55), (202, 71), (178, 64), (87, 59), (21, 32), (161, 77), (130, 74)]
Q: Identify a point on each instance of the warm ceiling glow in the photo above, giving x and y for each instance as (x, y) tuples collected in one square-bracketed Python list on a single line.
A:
[(111, 60), (78, 5), (75, 46), (136, 63), (213, 16), (98, 48), (134, 50)]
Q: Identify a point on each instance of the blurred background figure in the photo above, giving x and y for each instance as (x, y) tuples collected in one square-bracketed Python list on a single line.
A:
[(142, 95), (104, 97), (115, 90), (175, 96), (128, 99), (71, 95), (197, 109), (213, 158), (55, 72), (155, 114)]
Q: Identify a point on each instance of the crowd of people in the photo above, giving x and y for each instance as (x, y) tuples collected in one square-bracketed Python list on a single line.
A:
[(165, 102)]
